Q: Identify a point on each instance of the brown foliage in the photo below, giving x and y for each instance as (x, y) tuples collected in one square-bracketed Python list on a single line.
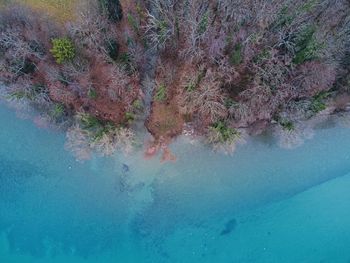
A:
[(208, 100), (314, 77)]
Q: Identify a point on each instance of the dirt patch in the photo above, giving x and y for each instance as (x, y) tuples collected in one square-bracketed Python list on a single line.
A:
[(165, 121)]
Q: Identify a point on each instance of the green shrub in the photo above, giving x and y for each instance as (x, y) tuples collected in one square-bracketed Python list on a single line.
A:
[(57, 111), (224, 133), (129, 116), (203, 24), (318, 102), (139, 10), (96, 128), (137, 105), (64, 78), (308, 5), (30, 93), (162, 27), (229, 103), (112, 49), (89, 122), (161, 93), (124, 58), (317, 106), (262, 56), (306, 46), (286, 124), (126, 62), (101, 130), (62, 50), (92, 93), (18, 95), (39, 89), (236, 55), (28, 67), (284, 17), (193, 83), (133, 22), (112, 9), (191, 86)]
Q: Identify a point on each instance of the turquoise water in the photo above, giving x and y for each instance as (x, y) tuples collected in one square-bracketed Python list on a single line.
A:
[(263, 204)]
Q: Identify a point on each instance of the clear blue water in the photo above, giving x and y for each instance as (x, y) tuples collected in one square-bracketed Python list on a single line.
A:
[(263, 204)]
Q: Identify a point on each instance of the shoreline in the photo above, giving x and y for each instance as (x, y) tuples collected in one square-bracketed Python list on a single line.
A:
[(111, 70), (162, 151)]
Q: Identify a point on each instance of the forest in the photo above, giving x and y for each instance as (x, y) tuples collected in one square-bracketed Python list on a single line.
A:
[(221, 69)]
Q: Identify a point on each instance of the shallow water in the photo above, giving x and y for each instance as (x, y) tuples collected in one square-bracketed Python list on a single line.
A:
[(263, 204)]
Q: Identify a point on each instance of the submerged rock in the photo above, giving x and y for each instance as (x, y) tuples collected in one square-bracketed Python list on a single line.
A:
[(125, 168), (229, 227)]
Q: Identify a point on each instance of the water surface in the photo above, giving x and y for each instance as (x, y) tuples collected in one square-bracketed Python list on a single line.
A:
[(263, 204)]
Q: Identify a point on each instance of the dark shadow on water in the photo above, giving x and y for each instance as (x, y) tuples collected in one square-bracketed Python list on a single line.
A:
[(330, 123), (265, 138), (14, 174)]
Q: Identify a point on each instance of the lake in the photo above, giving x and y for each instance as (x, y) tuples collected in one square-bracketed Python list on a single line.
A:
[(261, 204)]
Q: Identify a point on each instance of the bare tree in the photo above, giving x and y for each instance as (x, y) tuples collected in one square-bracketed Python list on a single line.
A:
[(161, 22)]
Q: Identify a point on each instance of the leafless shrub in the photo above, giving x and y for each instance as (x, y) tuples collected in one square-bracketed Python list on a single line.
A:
[(17, 50), (257, 12), (266, 12), (14, 43), (161, 22), (195, 28), (286, 41), (259, 104), (237, 11), (122, 139), (274, 70), (257, 95), (215, 44), (343, 119), (303, 125), (53, 74), (208, 99), (303, 129), (137, 56), (119, 82), (82, 142), (65, 75), (77, 68), (24, 38), (336, 13), (77, 141), (314, 77), (91, 30), (291, 139), (226, 72), (240, 111), (214, 138), (297, 110)]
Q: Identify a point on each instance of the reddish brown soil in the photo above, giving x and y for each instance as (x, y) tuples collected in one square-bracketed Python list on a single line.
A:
[(165, 121)]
